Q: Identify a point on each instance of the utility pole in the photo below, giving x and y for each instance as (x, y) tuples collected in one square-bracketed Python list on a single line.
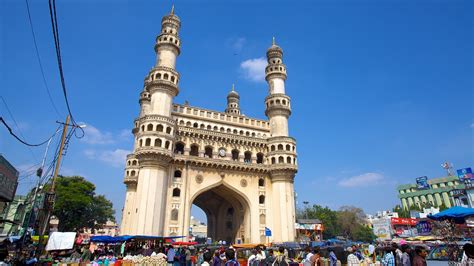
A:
[(50, 195)]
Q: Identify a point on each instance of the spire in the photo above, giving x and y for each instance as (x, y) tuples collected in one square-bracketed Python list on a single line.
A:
[(273, 40), (233, 87), (172, 10)]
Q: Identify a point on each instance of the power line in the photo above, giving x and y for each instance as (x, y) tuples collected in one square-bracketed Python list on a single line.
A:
[(18, 138), (39, 60)]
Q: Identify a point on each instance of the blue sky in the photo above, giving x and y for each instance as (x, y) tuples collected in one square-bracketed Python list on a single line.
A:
[(381, 91)]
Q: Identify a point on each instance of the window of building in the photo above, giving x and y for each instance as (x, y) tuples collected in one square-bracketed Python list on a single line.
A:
[(194, 150)]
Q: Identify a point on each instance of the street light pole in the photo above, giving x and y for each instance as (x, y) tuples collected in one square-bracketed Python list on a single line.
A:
[(306, 208)]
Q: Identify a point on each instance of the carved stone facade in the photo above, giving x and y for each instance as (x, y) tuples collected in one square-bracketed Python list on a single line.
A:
[(237, 169)]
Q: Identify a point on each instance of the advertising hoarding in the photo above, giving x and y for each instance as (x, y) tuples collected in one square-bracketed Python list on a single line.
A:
[(8, 180), (465, 174), (382, 229), (422, 182)]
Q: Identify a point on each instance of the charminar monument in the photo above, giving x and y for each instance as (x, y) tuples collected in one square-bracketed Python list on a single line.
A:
[(238, 170)]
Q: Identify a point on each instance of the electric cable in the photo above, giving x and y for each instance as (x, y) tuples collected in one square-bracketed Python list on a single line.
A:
[(39, 60), (18, 138)]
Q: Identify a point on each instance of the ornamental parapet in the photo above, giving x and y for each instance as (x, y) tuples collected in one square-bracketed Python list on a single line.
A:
[(168, 40), (153, 156), (218, 136), (275, 69), (130, 179), (171, 19), (274, 51), (282, 139), (164, 135), (155, 118), (162, 69), (220, 164), (165, 86), (278, 103), (282, 175), (275, 74)]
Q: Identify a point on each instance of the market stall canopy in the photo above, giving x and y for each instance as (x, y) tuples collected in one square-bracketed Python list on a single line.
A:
[(117, 239), (458, 214), (179, 243)]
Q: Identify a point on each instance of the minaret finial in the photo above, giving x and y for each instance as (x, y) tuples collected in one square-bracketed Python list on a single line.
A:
[(233, 87), (273, 41), (172, 9)]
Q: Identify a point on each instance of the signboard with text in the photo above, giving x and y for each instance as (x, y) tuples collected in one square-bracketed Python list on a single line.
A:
[(422, 182), (464, 174), (382, 229), (404, 221), (8, 180)]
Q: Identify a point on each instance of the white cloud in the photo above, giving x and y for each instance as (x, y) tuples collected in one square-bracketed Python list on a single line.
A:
[(125, 134), (472, 125), (95, 136), (363, 180), (254, 69), (238, 44), (115, 158)]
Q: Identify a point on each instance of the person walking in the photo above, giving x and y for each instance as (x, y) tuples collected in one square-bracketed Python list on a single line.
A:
[(332, 258), (316, 258), (420, 257), (170, 255), (388, 259), (352, 259), (270, 258), (207, 257), (406, 261), (281, 259), (230, 256)]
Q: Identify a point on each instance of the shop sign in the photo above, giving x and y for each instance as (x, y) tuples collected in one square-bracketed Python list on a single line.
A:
[(318, 227), (458, 192), (404, 221), (8, 180), (423, 228)]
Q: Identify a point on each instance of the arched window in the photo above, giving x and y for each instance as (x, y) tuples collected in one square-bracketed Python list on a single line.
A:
[(222, 129), (176, 192), (172, 78), (247, 133), (259, 157), (177, 173), (167, 145), (261, 182), (209, 127), (241, 132), (188, 124), (158, 76), (235, 155), (179, 148), (128, 162), (159, 128), (273, 160), (174, 215), (181, 123), (288, 147), (143, 128), (248, 157), (216, 128), (208, 152), (261, 199), (158, 142), (253, 134), (195, 125), (281, 159), (134, 162), (272, 148), (194, 150), (149, 127), (165, 76), (148, 142), (203, 126), (168, 130), (288, 160), (229, 130), (235, 131), (141, 143), (280, 147)]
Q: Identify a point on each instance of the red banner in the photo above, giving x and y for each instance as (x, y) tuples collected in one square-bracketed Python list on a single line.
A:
[(404, 221)]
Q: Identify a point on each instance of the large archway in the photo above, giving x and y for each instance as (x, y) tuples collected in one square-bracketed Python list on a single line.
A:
[(227, 212)]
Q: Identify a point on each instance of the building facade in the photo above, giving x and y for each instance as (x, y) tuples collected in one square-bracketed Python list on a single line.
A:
[(238, 170), (440, 192)]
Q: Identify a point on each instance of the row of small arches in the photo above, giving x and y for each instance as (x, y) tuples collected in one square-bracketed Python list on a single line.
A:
[(169, 31), (132, 162), (220, 129), (158, 128), (281, 159), (156, 143), (282, 102), (132, 173), (279, 68), (164, 76), (208, 153), (171, 39), (280, 147)]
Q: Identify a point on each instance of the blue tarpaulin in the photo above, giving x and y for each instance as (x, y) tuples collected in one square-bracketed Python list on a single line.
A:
[(458, 214)]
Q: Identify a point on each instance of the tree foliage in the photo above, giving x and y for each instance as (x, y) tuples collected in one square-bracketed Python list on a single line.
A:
[(77, 206), (348, 221)]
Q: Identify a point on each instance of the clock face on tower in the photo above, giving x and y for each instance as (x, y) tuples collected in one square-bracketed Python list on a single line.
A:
[(221, 152)]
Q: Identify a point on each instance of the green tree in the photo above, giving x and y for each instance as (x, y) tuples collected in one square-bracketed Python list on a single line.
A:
[(363, 233), (327, 216), (78, 206), (402, 212), (349, 219)]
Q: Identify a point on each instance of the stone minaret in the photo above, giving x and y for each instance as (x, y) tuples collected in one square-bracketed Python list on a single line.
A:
[(233, 99), (147, 167), (281, 154)]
